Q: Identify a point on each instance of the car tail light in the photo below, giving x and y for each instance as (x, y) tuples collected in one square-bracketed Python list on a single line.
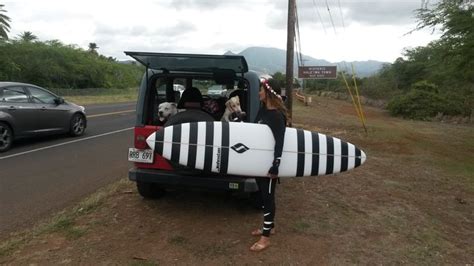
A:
[(140, 142), (141, 134)]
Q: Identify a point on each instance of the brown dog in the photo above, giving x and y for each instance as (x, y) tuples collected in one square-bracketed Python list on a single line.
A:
[(233, 112)]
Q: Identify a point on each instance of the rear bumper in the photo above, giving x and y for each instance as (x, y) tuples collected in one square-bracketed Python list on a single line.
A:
[(173, 179)]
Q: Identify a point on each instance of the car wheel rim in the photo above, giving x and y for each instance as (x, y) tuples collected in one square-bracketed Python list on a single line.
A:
[(78, 125), (5, 137)]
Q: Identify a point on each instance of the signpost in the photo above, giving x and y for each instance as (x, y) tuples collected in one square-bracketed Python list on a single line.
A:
[(317, 72)]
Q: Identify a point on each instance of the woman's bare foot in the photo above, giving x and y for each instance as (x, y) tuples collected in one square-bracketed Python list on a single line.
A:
[(261, 244), (258, 232)]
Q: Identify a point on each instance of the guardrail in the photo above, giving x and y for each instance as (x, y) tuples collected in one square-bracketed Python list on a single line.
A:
[(301, 97)]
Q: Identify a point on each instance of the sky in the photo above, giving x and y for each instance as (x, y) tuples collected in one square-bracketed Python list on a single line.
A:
[(334, 30)]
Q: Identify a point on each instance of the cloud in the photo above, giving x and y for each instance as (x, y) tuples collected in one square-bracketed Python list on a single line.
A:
[(180, 28), (215, 26), (208, 4), (316, 13), (382, 12)]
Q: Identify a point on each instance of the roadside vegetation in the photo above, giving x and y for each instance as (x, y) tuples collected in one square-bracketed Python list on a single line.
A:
[(52, 64), (437, 79), (63, 222), (98, 96)]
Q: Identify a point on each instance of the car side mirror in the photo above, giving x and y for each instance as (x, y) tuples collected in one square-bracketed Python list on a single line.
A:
[(59, 101)]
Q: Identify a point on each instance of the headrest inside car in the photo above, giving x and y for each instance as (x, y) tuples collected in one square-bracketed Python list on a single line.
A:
[(223, 76)]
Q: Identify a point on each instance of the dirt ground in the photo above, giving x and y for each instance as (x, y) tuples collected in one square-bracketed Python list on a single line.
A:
[(412, 202)]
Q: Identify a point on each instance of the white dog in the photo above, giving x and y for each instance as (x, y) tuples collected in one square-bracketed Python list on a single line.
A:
[(166, 110), (233, 112)]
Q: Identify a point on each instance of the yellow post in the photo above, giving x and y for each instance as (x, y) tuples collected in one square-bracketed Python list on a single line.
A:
[(357, 93), (354, 102)]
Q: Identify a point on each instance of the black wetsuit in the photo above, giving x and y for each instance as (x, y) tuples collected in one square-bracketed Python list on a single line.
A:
[(277, 123)]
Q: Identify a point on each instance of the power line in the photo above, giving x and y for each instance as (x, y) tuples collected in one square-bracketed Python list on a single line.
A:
[(330, 17), (320, 18), (298, 38), (342, 17), (345, 68)]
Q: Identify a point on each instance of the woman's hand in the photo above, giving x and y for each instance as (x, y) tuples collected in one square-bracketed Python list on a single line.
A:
[(272, 176), (273, 171)]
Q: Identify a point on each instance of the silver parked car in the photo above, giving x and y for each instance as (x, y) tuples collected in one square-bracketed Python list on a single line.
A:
[(27, 110), (216, 91)]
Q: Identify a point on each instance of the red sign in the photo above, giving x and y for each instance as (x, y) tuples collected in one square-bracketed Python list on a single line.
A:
[(317, 72)]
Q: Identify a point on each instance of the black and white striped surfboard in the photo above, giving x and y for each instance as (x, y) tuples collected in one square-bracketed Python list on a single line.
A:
[(247, 149)]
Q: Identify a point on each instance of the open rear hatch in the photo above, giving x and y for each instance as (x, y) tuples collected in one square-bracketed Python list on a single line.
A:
[(199, 63)]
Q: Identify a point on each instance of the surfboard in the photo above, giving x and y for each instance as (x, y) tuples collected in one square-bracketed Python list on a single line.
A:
[(247, 149)]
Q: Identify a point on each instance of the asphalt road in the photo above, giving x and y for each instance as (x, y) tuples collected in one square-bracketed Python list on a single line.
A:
[(41, 176)]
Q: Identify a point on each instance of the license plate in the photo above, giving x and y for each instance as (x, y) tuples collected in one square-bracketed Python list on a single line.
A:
[(140, 156)]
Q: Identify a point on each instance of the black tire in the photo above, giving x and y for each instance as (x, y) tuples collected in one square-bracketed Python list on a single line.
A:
[(78, 125), (150, 190), (6, 137), (191, 115)]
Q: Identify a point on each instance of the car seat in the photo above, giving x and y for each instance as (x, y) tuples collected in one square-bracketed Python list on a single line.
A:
[(190, 99)]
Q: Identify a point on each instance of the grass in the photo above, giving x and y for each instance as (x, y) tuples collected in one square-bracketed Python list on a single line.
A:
[(63, 222), (177, 240), (410, 204), (434, 175), (301, 226), (65, 225), (91, 96)]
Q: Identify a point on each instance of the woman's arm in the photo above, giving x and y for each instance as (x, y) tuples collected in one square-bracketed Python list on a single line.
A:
[(278, 126)]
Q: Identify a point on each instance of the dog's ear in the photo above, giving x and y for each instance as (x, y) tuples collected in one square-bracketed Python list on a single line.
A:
[(174, 104), (236, 99)]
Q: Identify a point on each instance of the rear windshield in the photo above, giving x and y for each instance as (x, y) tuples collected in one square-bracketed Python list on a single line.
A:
[(191, 92)]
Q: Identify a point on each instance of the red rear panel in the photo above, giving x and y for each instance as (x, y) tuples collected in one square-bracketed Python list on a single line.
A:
[(140, 136)]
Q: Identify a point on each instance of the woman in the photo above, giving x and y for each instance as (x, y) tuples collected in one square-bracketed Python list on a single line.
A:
[(272, 113)]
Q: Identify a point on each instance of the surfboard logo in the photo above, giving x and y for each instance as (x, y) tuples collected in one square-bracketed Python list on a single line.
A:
[(240, 148)]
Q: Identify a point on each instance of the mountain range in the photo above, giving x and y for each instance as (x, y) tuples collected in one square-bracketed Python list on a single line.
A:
[(270, 60)]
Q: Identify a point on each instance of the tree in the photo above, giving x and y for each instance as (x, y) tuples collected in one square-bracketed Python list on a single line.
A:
[(27, 36), (93, 47), (53, 64), (4, 25), (54, 43), (455, 19), (280, 78)]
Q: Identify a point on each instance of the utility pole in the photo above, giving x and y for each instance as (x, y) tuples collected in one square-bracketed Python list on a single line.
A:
[(290, 51)]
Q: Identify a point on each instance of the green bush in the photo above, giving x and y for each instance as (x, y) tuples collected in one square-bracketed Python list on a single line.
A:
[(52, 64), (457, 104), (425, 86), (422, 104)]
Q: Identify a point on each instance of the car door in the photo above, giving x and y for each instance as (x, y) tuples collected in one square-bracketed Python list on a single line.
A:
[(18, 109), (52, 117)]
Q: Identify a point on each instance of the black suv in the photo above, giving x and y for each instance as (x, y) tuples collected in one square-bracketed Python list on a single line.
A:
[(164, 73)]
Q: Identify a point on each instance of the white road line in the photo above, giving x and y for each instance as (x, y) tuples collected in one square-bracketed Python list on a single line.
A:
[(65, 143), (113, 113)]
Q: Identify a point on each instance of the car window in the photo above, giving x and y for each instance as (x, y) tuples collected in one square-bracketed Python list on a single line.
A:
[(41, 96), (13, 95)]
